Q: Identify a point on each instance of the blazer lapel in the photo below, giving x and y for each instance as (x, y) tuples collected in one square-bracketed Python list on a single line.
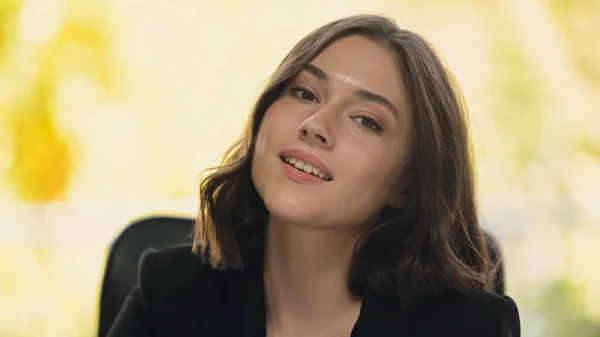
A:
[(245, 303), (382, 319)]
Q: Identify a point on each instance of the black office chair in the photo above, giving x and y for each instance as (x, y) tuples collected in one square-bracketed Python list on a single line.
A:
[(120, 275)]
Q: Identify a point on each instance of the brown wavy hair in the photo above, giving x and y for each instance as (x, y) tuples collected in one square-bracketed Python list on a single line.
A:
[(431, 245)]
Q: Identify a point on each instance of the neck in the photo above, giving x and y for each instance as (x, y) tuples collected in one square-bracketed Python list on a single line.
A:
[(306, 277)]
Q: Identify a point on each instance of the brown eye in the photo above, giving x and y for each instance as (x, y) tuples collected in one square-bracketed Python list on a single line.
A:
[(303, 94), (367, 123)]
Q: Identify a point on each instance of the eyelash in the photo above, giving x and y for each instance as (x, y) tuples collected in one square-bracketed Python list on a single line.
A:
[(372, 126), (302, 91)]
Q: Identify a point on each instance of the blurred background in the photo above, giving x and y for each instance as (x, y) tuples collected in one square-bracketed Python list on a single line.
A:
[(110, 109)]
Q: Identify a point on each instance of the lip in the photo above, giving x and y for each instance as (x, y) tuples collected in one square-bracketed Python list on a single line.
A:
[(298, 176), (308, 158)]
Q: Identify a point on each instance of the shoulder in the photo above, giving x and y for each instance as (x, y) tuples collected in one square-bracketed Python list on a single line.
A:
[(472, 314), (175, 274), (452, 313), (477, 313), (176, 288)]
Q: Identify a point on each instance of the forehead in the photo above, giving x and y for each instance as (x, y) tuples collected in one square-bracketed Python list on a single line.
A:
[(365, 64)]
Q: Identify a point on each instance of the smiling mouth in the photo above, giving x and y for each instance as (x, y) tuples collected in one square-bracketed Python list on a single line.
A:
[(306, 168)]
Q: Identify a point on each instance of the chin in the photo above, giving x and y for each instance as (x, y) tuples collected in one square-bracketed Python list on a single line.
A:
[(294, 209)]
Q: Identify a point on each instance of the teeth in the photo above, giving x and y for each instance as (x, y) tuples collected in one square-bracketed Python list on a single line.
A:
[(308, 168)]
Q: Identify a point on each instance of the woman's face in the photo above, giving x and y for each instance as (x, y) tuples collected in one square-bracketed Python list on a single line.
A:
[(331, 148)]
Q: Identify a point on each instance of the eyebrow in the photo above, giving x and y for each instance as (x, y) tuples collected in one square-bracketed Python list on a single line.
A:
[(361, 93), (320, 74), (373, 97)]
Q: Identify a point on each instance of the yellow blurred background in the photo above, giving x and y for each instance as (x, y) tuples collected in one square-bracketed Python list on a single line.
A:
[(110, 109)]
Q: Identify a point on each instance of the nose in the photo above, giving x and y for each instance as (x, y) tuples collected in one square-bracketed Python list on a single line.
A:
[(316, 131)]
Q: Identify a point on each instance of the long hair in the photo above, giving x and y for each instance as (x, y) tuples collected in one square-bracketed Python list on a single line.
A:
[(431, 245)]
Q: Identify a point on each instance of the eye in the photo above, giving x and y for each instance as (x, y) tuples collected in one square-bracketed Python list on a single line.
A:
[(304, 94), (368, 123)]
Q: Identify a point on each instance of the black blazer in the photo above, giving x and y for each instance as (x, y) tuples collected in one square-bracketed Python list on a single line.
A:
[(179, 296)]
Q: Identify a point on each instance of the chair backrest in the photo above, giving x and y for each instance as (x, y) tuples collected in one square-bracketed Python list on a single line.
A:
[(120, 275)]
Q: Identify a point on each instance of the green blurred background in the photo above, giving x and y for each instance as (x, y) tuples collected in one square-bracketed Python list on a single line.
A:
[(110, 109)]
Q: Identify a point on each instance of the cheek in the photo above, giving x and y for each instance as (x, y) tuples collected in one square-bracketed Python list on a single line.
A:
[(274, 135), (261, 142), (364, 162), (265, 134), (372, 173)]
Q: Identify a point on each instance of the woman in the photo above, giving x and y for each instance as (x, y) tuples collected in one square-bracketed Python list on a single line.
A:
[(346, 209)]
